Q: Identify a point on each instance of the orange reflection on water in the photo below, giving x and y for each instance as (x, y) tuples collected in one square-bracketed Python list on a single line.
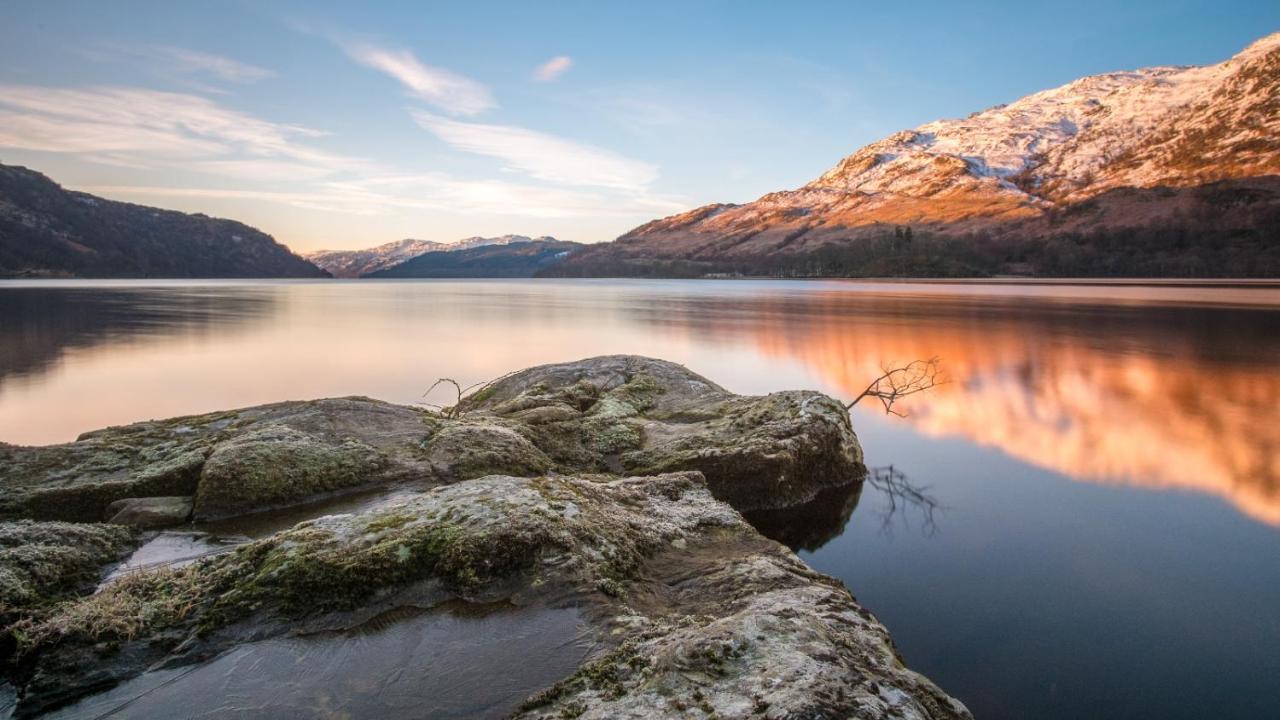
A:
[(1142, 414)]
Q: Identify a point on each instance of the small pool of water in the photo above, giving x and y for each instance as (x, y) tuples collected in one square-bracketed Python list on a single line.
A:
[(460, 663), (174, 548)]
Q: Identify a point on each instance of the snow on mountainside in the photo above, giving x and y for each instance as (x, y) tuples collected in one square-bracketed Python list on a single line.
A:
[(1090, 135), (358, 263), (1156, 127)]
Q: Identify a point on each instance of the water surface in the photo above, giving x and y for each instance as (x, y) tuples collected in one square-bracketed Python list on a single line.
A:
[(1107, 456), (443, 665)]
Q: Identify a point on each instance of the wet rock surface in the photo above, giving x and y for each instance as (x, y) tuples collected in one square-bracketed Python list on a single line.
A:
[(609, 487)]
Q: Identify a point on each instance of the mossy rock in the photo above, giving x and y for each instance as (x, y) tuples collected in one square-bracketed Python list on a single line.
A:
[(629, 414), (275, 465), (461, 451), (41, 562), (78, 481), (483, 539)]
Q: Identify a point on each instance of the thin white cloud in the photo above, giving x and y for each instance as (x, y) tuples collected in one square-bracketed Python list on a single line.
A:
[(448, 91), (553, 68), (224, 68), (542, 156), (149, 127), (433, 192), (172, 61)]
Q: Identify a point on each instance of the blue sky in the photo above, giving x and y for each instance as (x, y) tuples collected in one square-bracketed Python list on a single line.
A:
[(342, 126)]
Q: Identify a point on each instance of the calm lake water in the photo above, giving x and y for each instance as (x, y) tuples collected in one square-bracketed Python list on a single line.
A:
[(1107, 457)]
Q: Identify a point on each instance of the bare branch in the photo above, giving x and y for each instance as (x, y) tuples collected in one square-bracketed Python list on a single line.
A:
[(451, 410), (461, 394), (898, 382)]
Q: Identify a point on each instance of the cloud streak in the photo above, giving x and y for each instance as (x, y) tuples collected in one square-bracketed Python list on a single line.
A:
[(448, 91), (150, 127), (553, 68), (181, 64), (542, 156), (434, 192), (194, 61)]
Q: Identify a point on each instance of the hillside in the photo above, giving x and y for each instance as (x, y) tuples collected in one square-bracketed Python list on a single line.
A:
[(359, 263), (48, 231), (512, 260), (1184, 159)]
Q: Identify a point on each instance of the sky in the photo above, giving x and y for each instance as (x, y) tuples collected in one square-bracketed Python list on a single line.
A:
[(344, 125)]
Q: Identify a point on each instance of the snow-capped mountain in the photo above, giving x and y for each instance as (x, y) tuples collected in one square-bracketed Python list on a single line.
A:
[(358, 263), (1011, 165), (1157, 126)]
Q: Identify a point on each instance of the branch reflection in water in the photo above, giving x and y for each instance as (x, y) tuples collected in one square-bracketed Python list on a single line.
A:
[(811, 525)]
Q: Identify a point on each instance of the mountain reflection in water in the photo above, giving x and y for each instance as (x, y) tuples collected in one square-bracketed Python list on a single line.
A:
[(1039, 595), (39, 325), (1158, 397), (1160, 387)]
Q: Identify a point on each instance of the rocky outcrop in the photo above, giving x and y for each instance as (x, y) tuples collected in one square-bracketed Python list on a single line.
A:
[(620, 414), (636, 415), (611, 486), (693, 609)]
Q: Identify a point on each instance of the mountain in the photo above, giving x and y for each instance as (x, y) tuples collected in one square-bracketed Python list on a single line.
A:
[(1181, 161), (48, 231), (523, 258), (359, 263)]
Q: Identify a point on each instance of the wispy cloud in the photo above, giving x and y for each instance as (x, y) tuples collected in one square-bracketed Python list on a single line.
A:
[(433, 192), (173, 62), (448, 91), (194, 61), (542, 156), (553, 68), (132, 125), (278, 163)]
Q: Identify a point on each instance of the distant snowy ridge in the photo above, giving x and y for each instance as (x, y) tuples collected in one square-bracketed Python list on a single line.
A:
[(358, 263)]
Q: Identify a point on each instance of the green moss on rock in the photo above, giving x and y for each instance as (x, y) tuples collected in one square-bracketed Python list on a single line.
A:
[(469, 450), (274, 465), (41, 562)]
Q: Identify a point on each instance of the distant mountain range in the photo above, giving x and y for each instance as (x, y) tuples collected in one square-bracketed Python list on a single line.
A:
[(47, 231), (1165, 171), (361, 263), (514, 259), (1162, 171)]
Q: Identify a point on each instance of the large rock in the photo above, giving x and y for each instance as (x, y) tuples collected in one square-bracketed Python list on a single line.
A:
[(607, 485), (288, 452), (693, 611), (273, 465), (624, 413), (614, 414)]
